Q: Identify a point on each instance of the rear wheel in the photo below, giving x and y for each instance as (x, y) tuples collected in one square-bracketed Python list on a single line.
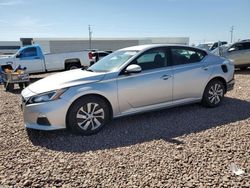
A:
[(213, 94), (73, 66), (88, 115)]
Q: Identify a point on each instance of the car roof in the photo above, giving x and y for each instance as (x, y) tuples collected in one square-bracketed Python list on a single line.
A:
[(149, 46)]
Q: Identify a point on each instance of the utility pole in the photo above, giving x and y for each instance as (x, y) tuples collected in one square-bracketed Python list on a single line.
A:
[(232, 32), (90, 37)]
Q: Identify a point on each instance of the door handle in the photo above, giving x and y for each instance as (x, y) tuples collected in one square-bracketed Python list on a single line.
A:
[(166, 77)]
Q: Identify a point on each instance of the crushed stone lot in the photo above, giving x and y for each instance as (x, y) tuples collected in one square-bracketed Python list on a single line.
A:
[(187, 146)]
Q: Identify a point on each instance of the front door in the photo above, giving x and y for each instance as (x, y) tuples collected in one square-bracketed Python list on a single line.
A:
[(152, 86)]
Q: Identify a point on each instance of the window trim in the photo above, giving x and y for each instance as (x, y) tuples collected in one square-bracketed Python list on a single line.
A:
[(29, 49), (166, 50)]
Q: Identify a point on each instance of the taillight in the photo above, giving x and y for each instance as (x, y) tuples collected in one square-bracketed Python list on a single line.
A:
[(90, 55)]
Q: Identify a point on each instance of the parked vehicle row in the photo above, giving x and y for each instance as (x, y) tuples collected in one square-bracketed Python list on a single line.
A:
[(211, 45), (238, 52), (35, 61), (131, 80)]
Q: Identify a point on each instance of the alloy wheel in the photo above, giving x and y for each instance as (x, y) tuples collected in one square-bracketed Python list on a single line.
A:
[(90, 116), (215, 93)]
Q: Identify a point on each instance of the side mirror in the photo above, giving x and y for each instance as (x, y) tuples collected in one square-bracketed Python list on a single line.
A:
[(133, 69)]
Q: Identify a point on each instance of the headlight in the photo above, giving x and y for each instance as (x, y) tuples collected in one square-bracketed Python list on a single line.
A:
[(45, 97)]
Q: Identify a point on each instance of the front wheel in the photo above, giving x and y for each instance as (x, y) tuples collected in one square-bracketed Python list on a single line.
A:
[(88, 115), (213, 94)]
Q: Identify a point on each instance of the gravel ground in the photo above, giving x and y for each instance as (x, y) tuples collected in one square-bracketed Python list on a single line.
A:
[(188, 146)]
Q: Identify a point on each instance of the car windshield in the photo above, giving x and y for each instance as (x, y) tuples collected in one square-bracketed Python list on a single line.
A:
[(112, 61)]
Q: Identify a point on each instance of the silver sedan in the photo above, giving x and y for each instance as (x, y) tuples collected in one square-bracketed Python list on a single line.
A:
[(131, 80)]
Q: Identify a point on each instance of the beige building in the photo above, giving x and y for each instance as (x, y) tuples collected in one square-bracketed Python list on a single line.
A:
[(51, 45), (60, 45)]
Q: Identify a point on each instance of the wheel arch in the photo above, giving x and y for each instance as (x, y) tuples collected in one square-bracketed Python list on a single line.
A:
[(220, 78), (74, 61), (91, 95)]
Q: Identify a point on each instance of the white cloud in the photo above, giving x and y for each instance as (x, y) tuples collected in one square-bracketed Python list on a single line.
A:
[(4, 22), (32, 24), (25, 26), (10, 2)]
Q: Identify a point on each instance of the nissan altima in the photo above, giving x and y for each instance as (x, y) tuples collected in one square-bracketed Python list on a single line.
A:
[(131, 80)]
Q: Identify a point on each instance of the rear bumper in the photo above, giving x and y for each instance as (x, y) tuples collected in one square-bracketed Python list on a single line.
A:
[(230, 85)]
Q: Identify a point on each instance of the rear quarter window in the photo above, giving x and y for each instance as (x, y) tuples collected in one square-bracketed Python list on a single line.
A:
[(186, 55)]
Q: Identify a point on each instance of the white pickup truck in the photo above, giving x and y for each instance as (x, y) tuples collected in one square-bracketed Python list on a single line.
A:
[(35, 61)]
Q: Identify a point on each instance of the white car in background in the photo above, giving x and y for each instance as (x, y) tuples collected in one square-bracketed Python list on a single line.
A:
[(238, 53), (205, 46)]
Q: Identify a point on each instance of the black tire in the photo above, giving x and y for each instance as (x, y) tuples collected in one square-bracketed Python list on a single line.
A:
[(9, 87), (243, 68), (73, 66), (21, 85), (26, 84), (88, 115), (213, 94)]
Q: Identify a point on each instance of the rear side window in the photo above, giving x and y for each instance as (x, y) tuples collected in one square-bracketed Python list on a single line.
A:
[(236, 47), (102, 54), (186, 55), (246, 46)]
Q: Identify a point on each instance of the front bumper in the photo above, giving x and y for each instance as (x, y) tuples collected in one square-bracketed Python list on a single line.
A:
[(230, 85), (53, 111)]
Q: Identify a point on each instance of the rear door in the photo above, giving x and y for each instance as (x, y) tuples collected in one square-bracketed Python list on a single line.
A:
[(191, 73), (153, 85), (30, 59)]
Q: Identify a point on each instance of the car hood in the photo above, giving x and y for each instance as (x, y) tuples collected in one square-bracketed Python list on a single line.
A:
[(64, 80), (5, 59)]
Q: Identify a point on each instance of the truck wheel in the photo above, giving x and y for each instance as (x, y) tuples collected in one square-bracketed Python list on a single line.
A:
[(73, 66), (21, 85), (26, 84), (88, 115)]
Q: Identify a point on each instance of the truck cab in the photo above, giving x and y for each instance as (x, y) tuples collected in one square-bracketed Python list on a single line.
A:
[(30, 57)]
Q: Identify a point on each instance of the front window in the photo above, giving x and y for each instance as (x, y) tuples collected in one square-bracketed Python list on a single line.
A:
[(113, 61), (28, 52), (152, 59)]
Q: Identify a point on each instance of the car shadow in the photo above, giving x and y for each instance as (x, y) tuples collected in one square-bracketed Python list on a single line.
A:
[(165, 124)]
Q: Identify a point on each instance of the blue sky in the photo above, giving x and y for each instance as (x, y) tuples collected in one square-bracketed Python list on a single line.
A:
[(201, 20)]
